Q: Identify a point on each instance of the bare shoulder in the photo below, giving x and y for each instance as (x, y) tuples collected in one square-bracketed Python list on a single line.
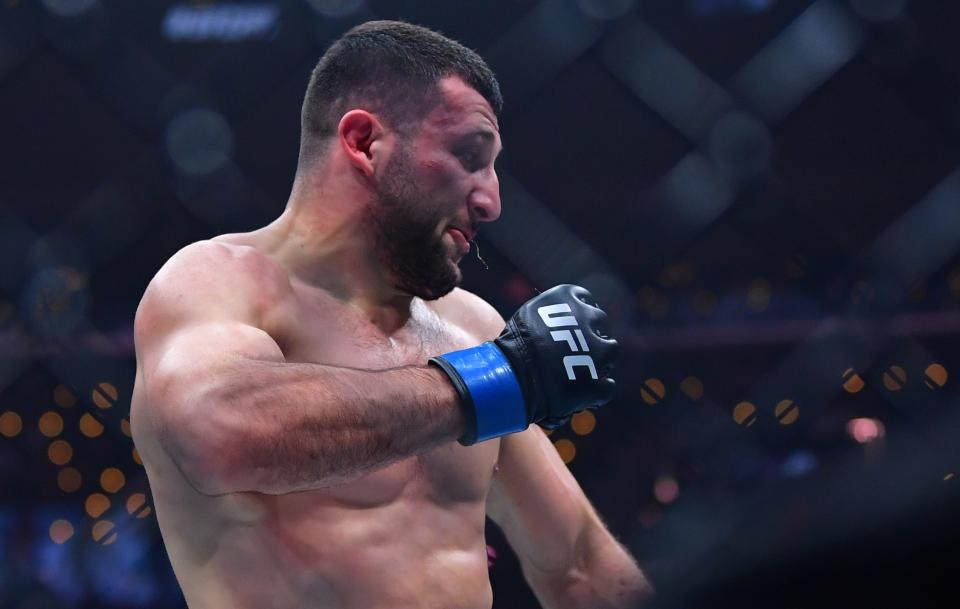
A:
[(207, 267), (209, 280), (471, 312)]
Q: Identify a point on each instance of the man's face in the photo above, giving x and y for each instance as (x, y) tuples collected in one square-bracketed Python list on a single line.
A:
[(435, 189)]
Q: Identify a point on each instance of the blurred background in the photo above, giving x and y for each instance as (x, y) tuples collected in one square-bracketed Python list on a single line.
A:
[(764, 193)]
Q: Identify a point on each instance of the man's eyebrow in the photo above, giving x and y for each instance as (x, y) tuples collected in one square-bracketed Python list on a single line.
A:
[(486, 135)]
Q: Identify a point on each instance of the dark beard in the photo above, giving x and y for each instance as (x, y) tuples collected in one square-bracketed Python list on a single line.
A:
[(406, 245)]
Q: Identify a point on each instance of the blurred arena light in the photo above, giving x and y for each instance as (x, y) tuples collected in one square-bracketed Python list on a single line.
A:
[(865, 430), (10, 424), (68, 8), (60, 531), (606, 9), (583, 423), (96, 505), (664, 79), (222, 22), (199, 141), (666, 489), (58, 249), (758, 295), (935, 376), (740, 146), (336, 8), (50, 424), (692, 387), (566, 449), (879, 10), (921, 240), (708, 8), (810, 50), (799, 463), (56, 302), (540, 45), (69, 479), (60, 452), (90, 426), (692, 195)]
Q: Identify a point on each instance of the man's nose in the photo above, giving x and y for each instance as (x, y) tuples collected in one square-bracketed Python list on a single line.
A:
[(484, 200)]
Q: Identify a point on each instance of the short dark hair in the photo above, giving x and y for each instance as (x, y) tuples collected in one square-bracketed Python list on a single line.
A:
[(390, 68)]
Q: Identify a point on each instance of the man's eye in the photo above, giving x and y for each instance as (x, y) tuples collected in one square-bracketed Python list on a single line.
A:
[(471, 160)]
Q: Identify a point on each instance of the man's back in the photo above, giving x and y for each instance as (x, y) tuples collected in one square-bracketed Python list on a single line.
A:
[(409, 533)]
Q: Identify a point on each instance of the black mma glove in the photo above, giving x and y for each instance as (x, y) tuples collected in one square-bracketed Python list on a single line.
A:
[(552, 360)]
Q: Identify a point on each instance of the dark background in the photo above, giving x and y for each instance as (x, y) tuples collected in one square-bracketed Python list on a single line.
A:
[(765, 194)]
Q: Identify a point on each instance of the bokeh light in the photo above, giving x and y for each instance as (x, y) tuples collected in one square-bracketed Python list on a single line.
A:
[(758, 295), (878, 10), (894, 378), (787, 412), (740, 145), (606, 9), (137, 505), (583, 422), (666, 489), (112, 480), (852, 382), (652, 391), (199, 141), (50, 424), (692, 387), (104, 395), (745, 414), (935, 376), (335, 9), (103, 532), (61, 531), (60, 452), (63, 397), (10, 424), (69, 479), (865, 430), (566, 449), (90, 426), (653, 302), (57, 301), (96, 504)]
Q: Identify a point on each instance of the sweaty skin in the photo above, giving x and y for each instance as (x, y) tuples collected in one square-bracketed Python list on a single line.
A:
[(300, 452), (410, 534)]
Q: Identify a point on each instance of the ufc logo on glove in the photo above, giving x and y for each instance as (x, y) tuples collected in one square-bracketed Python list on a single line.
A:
[(514, 380), (550, 316)]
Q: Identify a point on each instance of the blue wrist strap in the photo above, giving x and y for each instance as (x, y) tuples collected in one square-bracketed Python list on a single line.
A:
[(492, 387)]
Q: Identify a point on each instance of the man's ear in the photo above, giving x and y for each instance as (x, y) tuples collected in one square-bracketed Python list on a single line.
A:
[(363, 140)]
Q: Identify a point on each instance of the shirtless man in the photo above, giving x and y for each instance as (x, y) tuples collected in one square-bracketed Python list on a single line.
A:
[(321, 415)]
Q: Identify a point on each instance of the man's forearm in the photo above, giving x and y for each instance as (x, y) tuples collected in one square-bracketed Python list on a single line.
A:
[(606, 578), (288, 427)]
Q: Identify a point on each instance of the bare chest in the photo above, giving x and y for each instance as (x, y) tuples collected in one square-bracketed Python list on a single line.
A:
[(338, 335)]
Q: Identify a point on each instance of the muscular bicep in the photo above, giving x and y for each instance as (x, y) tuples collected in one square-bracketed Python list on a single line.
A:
[(537, 502), (195, 362), (195, 328)]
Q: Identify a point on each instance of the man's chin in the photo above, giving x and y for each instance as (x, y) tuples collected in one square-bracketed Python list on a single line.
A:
[(434, 290)]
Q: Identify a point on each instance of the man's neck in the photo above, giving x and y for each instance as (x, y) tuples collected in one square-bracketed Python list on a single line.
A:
[(325, 244)]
